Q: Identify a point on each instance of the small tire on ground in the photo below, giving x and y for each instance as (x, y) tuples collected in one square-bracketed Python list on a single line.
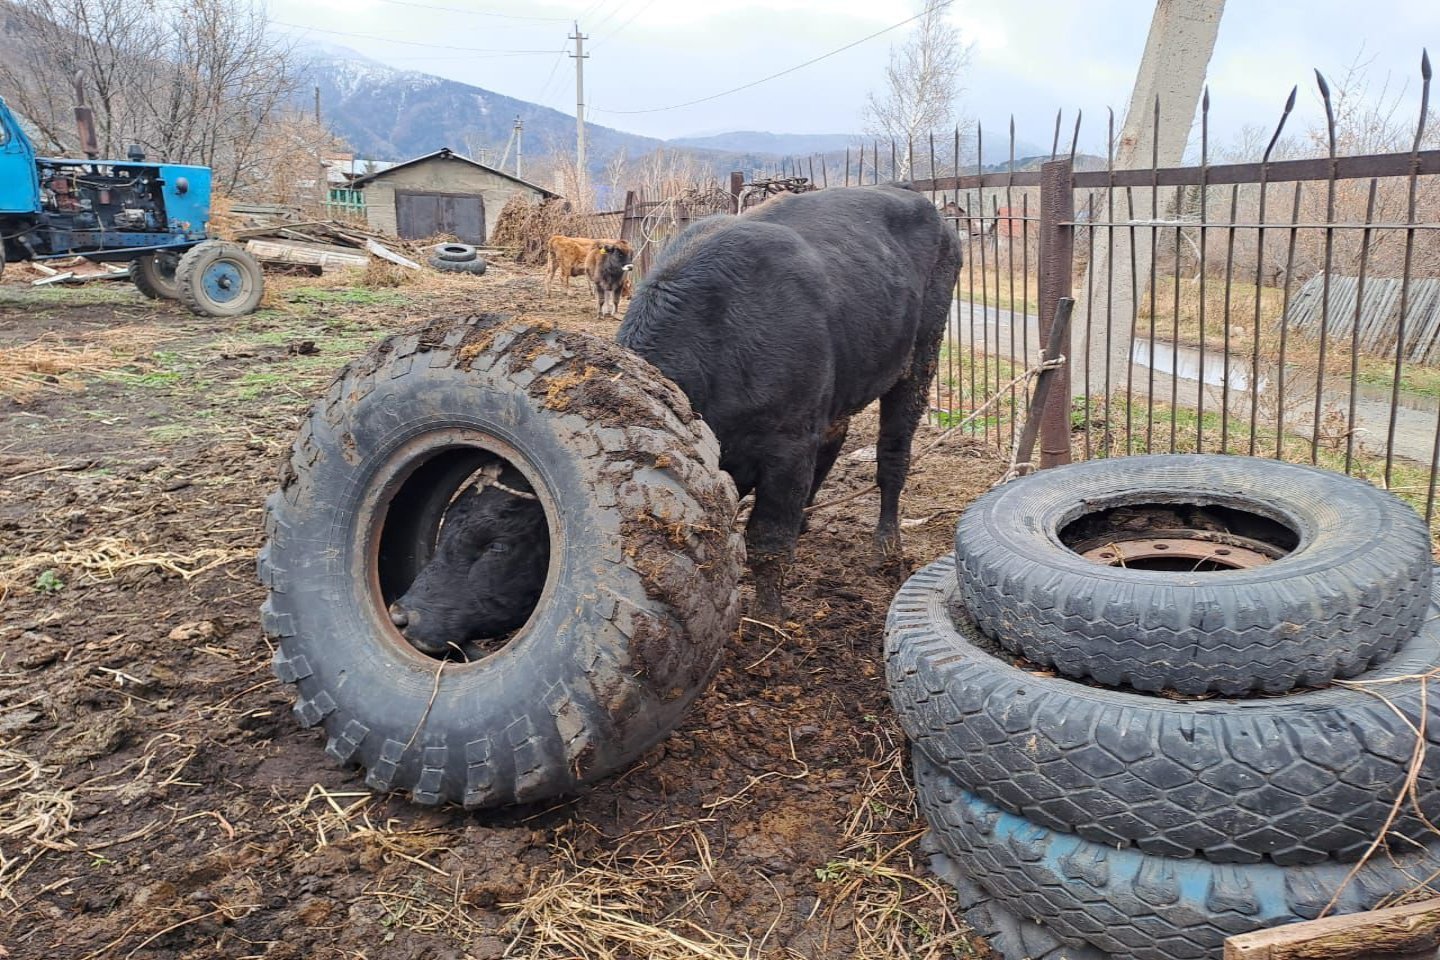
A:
[(1294, 779), (1356, 586), (474, 266), (154, 275), (1010, 936), (641, 597), (455, 252), (1141, 907), (219, 279)]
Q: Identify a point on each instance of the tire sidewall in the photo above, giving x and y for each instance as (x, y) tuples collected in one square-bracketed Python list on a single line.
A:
[(474, 266), (579, 692), (455, 252), (1326, 509)]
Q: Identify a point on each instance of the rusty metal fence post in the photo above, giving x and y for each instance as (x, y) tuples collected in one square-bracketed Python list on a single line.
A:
[(1057, 250)]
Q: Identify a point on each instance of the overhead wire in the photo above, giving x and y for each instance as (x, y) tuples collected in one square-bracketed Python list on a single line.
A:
[(620, 29), (540, 98), (774, 76), (609, 16)]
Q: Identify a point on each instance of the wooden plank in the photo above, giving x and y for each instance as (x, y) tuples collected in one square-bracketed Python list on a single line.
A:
[(1394, 932), (326, 258), (385, 253)]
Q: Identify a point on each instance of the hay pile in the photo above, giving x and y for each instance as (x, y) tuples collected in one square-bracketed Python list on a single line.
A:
[(524, 229)]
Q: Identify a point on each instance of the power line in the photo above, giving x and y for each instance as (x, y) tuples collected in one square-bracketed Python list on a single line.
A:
[(540, 98), (593, 7), (774, 76), (408, 43), (620, 29), (474, 13), (609, 16)]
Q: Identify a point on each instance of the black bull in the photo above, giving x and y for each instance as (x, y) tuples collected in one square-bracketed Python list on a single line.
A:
[(782, 323)]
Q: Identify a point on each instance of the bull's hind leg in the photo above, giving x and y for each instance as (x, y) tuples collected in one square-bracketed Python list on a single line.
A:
[(774, 524)]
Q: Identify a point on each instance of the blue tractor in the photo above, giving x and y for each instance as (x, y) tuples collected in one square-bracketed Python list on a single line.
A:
[(153, 216)]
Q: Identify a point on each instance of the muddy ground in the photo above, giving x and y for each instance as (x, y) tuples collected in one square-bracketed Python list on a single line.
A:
[(157, 798)]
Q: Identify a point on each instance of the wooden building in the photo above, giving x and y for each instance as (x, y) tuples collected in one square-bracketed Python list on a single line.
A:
[(440, 193)]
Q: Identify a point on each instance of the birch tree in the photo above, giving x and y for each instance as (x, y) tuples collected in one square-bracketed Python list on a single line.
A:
[(922, 88)]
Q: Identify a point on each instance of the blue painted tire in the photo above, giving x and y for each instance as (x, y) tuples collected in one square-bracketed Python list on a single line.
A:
[(1296, 779), (1138, 906), (1353, 588), (1010, 936)]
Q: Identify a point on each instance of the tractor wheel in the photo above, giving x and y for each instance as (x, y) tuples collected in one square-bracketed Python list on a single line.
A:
[(154, 275), (455, 252), (641, 595), (219, 279)]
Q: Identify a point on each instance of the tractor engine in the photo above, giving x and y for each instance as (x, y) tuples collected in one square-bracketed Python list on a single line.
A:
[(99, 197)]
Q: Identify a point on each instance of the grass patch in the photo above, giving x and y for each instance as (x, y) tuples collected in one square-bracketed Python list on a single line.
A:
[(361, 296), (59, 296)]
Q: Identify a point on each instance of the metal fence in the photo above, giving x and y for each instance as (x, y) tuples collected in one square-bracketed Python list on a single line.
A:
[(1282, 307)]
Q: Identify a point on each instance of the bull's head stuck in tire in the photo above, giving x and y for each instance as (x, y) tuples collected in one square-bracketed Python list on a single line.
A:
[(628, 544)]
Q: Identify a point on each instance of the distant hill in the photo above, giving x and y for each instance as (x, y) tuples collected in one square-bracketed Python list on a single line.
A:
[(774, 144), (390, 114)]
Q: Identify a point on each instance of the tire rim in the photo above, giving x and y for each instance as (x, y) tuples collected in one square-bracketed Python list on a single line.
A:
[(399, 524), (1144, 533), (225, 282)]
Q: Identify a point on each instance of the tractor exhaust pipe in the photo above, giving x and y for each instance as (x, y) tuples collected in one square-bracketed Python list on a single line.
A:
[(85, 121)]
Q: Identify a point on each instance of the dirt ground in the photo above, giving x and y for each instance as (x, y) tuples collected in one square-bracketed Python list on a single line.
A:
[(157, 798)]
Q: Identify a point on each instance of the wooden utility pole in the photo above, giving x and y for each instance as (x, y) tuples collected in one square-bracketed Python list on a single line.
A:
[(579, 56)]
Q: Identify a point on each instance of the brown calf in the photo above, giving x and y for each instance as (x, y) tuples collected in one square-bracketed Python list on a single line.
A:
[(567, 257)]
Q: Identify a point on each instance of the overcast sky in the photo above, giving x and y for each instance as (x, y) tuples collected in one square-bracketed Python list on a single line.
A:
[(1030, 57)]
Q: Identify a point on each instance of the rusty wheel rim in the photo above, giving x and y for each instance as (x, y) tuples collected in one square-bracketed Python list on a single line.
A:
[(1204, 548)]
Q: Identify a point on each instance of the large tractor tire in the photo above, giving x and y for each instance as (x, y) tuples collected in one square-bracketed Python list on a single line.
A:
[(1116, 570), (1293, 780), (219, 279), (154, 275), (642, 590)]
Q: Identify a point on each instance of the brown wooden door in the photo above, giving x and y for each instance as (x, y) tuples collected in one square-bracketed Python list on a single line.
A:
[(422, 215)]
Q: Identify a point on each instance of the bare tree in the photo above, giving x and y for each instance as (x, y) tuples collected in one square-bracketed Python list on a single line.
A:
[(190, 81), (923, 85)]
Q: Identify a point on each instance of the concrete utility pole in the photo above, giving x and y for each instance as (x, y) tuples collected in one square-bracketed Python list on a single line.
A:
[(519, 130), (1177, 53), (579, 56)]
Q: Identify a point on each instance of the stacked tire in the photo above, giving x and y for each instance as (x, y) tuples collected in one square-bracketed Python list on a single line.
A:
[(1140, 761), (457, 258)]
